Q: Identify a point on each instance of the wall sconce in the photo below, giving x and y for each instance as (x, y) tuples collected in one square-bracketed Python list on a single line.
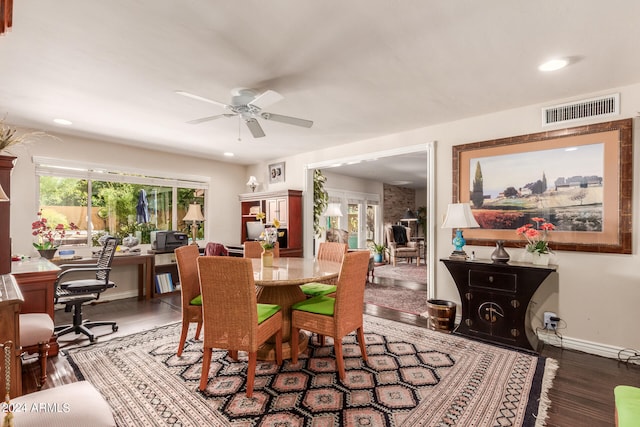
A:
[(459, 216), (252, 183), (194, 214)]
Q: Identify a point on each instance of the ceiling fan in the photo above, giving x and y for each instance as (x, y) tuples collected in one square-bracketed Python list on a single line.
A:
[(248, 105)]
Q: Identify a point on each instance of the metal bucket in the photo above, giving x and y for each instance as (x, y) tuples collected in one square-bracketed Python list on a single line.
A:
[(441, 314)]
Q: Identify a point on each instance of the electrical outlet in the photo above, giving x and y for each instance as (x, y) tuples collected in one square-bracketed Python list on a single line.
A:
[(551, 320)]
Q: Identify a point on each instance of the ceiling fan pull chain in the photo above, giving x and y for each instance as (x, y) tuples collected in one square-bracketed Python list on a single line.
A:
[(239, 129)]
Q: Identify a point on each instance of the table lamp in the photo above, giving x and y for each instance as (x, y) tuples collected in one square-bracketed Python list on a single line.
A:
[(252, 183), (194, 214), (459, 216), (332, 210)]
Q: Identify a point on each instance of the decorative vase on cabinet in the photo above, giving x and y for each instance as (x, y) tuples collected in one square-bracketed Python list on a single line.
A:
[(540, 259), (500, 255)]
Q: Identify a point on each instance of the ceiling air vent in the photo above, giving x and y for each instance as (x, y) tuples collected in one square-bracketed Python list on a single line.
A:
[(603, 106)]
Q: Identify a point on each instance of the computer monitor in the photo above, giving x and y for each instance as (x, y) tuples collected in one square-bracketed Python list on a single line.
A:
[(254, 230)]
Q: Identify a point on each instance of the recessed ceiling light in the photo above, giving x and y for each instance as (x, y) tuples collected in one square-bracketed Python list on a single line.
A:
[(553, 65), (227, 154), (63, 122)]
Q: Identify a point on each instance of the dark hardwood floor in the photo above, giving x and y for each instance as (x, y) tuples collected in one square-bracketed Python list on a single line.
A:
[(582, 392)]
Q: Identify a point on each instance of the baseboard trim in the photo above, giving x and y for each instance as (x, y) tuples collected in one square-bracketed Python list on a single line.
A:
[(584, 346)]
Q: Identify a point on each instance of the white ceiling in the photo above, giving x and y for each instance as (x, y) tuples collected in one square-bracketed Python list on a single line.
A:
[(358, 69)]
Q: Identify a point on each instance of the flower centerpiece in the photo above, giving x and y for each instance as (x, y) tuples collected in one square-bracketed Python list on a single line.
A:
[(537, 236), (48, 237), (268, 239)]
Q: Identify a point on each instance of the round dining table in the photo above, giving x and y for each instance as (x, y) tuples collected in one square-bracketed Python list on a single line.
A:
[(280, 284)]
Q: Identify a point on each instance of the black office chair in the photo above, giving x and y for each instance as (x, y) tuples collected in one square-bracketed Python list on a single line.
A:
[(74, 293)]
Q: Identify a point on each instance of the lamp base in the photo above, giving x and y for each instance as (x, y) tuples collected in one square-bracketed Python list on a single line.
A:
[(459, 255)]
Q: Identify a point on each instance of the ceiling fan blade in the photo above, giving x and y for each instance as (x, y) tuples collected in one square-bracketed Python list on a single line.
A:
[(287, 119), (266, 98), (200, 98), (254, 127), (207, 119)]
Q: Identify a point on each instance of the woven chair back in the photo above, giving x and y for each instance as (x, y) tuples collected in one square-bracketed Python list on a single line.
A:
[(332, 251), (187, 261), (350, 293), (105, 258), (253, 249), (228, 303)]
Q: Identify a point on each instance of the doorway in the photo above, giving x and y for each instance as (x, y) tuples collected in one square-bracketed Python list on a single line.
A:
[(368, 166)]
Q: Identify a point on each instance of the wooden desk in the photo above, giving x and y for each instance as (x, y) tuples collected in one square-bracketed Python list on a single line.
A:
[(280, 285), (36, 278), (145, 263), (11, 300)]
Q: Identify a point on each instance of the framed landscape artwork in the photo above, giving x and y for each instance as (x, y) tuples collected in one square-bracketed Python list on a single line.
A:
[(578, 179), (276, 173)]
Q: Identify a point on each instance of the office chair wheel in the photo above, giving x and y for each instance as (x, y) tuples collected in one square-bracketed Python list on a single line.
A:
[(114, 328)]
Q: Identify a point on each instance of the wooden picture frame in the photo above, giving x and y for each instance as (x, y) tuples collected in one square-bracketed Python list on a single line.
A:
[(276, 173), (592, 213)]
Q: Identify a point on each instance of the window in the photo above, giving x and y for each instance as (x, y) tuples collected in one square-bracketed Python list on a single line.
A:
[(362, 220), (121, 202)]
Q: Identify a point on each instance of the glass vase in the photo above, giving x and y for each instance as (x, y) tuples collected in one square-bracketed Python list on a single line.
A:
[(267, 257)]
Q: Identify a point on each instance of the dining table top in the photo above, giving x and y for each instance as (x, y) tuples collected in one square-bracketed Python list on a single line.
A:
[(294, 271)]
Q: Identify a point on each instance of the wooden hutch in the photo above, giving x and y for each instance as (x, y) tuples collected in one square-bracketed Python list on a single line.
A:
[(286, 206)]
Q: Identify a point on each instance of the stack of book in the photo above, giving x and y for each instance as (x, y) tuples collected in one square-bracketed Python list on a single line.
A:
[(164, 283)]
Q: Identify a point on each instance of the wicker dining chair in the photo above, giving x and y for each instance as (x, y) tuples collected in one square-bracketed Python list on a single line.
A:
[(233, 320), (328, 251), (339, 316), (187, 262), (253, 249)]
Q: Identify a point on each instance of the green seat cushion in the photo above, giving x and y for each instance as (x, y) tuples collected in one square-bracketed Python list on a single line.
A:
[(316, 289), (320, 305), (265, 311), (627, 405), (196, 301)]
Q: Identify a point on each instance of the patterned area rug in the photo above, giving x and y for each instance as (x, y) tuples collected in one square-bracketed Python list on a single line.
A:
[(396, 297), (402, 271), (414, 377)]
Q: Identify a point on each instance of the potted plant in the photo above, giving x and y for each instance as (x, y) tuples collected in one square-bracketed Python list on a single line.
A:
[(378, 251)]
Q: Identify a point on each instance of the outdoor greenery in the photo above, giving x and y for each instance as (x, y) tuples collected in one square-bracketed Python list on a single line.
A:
[(114, 204), (320, 200)]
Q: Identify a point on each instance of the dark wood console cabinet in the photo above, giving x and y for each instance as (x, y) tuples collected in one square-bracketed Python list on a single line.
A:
[(495, 299)]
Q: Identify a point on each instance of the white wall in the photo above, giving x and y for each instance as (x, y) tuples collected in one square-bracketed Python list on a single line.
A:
[(222, 215), (597, 295)]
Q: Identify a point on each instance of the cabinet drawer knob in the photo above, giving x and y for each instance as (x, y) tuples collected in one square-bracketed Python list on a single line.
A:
[(490, 279)]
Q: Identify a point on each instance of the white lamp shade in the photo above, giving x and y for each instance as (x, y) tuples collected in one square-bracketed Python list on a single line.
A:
[(3, 195), (252, 181), (333, 209), (459, 215), (194, 213)]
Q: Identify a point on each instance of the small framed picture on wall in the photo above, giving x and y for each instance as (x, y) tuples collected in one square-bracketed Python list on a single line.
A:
[(276, 173)]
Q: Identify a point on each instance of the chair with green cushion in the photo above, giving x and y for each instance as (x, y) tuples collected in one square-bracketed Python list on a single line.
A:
[(327, 251), (627, 406), (339, 316), (233, 320), (187, 262)]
